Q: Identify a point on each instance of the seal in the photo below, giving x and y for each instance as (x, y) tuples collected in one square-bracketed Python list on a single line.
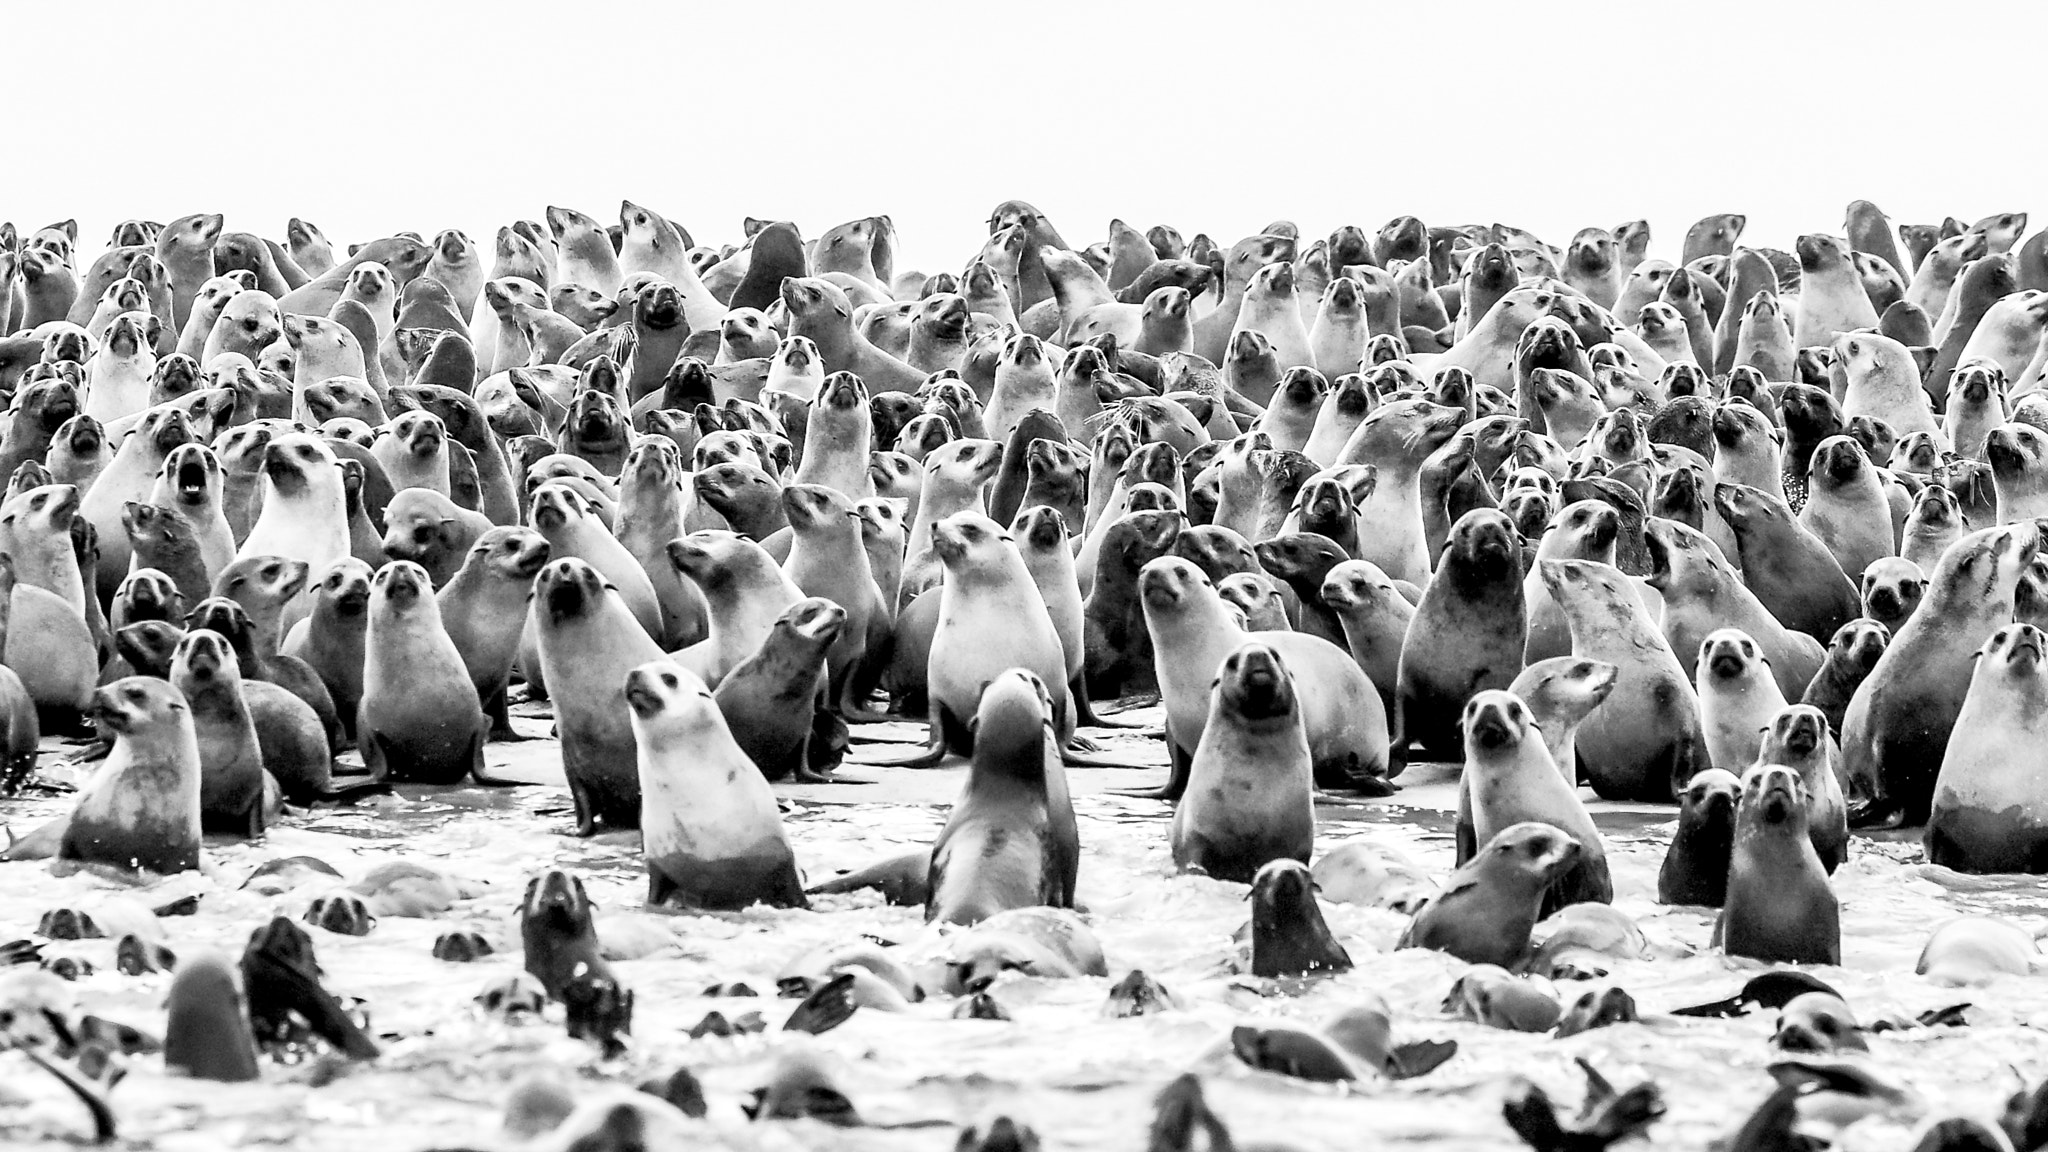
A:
[(207, 1035), (1469, 631), (1779, 907), (711, 835), (826, 558), (1010, 841), (1193, 632), (1982, 818), (1846, 505), (770, 698), (1695, 869), (574, 527), (558, 933), (236, 795), (1738, 698), (1789, 568), (1490, 905), (1852, 653), (1561, 692), (483, 610), (1892, 589), (1647, 741), (588, 641), (140, 810), (1250, 790), (1798, 738), (1898, 724), (1975, 950), (1375, 617), (420, 719), (1509, 779), (746, 593), (991, 619), (1289, 937)]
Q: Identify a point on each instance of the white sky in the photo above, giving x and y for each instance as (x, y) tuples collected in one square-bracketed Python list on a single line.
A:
[(372, 117)]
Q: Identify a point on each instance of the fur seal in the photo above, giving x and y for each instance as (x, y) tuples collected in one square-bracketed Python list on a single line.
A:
[(1738, 698), (1779, 908), (207, 1035), (483, 610), (1510, 778), (1702, 592), (1288, 935), (1892, 589), (1789, 568), (712, 837), (827, 558), (140, 811), (1982, 816), (1249, 797), (557, 931), (420, 719), (236, 795), (1852, 652), (771, 698), (1010, 841), (1798, 738), (1647, 740), (1898, 724), (1468, 634), (1695, 868), (1490, 904), (588, 641)]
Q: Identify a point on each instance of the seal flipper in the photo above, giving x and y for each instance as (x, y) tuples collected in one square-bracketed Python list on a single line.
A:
[(941, 739), (1407, 1061), (1179, 766), (476, 766), (89, 1093), (499, 712), (1085, 715), (1468, 840)]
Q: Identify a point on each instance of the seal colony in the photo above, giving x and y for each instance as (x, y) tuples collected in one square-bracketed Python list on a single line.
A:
[(1749, 540)]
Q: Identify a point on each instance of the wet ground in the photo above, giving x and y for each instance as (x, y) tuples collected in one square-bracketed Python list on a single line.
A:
[(1082, 1080)]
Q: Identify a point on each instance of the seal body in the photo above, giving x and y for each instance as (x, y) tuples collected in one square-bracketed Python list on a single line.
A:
[(1738, 698), (1250, 795), (589, 641), (1779, 907), (1987, 815), (557, 932), (1289, 937), (710, 832), (1896, 729), (141, 809), (1646, 741), (1695, 868), (1510, 779), (771, 698), (420, 719), (1468, 634), (1490, 904), (1010, 841)]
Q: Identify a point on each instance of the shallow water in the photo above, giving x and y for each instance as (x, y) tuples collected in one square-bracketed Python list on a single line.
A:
[(1083, 1081)]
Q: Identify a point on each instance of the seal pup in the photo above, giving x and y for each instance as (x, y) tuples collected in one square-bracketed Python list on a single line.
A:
[(1695, 868), (1288, 935), (827, 558), (1852, 653), (1509, 779), (1892, 588), (1982, 819), (420, 719), (1790, 569), (588, 641), (1469, 631), (711, 835), (558, 933), (1250, 790), (771, 700), (1010, 840), (1703, 592), (1846, 505), (1646, 741), (1897, 726), (1779, 908), (1798, 738), (1490, 904), (1738, 698), (140, 810)]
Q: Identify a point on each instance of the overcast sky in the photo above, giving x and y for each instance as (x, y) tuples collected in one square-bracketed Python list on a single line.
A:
[(368, 118)]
